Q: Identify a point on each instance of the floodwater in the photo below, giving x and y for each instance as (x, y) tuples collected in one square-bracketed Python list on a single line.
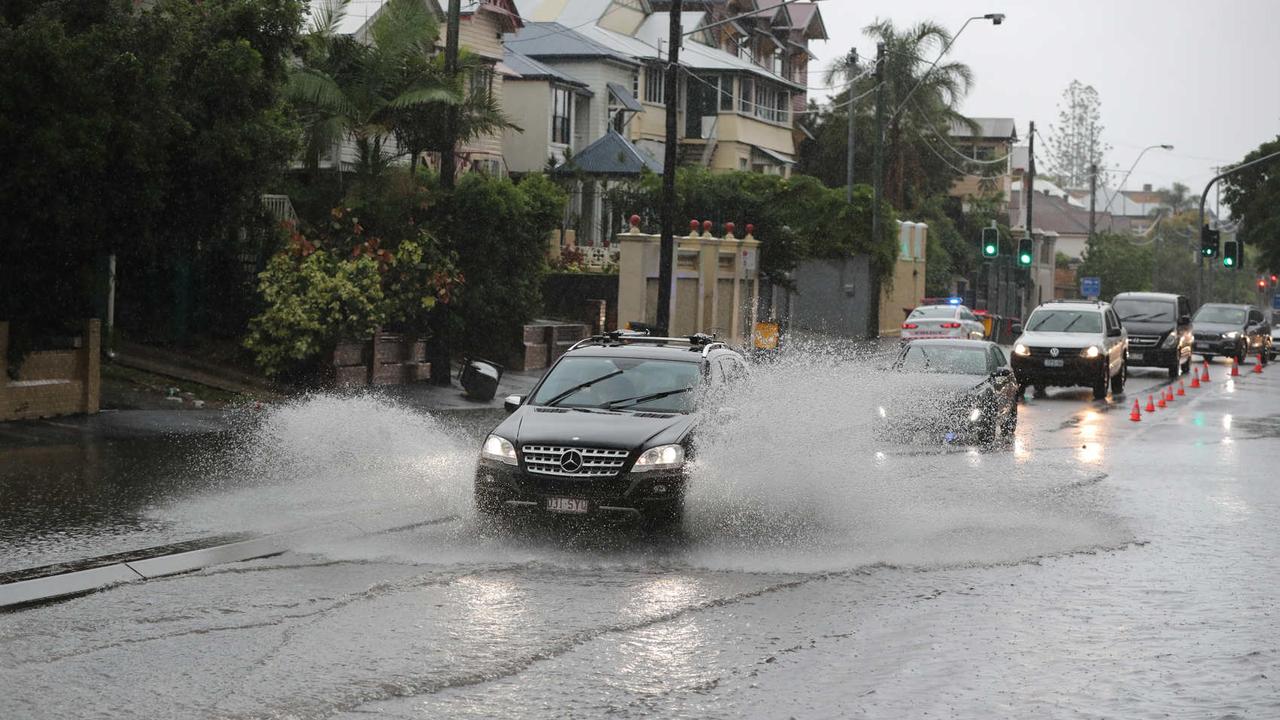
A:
[(1093, 568)]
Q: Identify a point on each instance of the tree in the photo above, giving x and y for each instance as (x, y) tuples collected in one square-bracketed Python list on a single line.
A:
[(1176, 198), (919, 163), (1122, 264), (1254, 197), (1075, 142)]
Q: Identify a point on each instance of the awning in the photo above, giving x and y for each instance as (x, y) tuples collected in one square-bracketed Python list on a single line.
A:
[(778, 158), (624, 97), (610, 156)]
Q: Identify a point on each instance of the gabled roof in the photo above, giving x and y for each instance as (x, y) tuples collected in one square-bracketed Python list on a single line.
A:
[(553, 40), (527, 68), (807, 17), (505, 9), (610, 156), (991, 128)]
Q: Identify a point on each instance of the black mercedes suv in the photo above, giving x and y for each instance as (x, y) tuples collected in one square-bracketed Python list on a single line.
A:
[(1159, 327), (607, 431)]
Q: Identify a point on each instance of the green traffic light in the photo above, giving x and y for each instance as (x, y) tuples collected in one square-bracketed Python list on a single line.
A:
[(989, 250), (1024, 259), (1228, 261)]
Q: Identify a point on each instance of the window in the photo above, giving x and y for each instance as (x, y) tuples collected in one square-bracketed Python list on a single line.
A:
[(635, 83), (654, 87), (481, 82), (726, 93), (984, 152), (561, 108), (745, 95)]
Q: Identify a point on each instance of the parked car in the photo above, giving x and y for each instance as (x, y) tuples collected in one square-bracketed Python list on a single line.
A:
[(942, 321), (1072, 343), (951, 391), (1159, 328), (1236, 331), (607, 431)]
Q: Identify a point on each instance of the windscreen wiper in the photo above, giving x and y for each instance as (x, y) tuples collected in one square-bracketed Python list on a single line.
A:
[(646, 398), (582, 386)]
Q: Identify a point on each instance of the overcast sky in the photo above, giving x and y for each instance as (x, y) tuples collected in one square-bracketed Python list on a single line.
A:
[(1201, 75)]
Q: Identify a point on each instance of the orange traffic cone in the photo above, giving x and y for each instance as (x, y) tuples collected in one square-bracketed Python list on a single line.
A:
[(1195, 379), (1235, 367), (1204, 376), (1161, 403), (1257, 367), (1151, 403), (1135, 414), (1182, 388), (1168, 395)]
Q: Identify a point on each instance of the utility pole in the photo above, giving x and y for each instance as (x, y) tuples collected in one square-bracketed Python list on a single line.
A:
[(667, 249), (848, 166), (877, 184), (1093, 197), (1031, 194), (447, 161)]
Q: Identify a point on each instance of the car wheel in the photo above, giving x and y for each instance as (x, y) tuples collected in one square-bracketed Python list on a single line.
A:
[(1118, 382), (1101, 385), (1174, 370)]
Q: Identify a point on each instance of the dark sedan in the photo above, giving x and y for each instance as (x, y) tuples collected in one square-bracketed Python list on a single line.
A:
[(951, 391)]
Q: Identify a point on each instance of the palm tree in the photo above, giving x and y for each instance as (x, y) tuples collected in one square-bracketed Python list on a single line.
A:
[(915, 115), (348, 89)]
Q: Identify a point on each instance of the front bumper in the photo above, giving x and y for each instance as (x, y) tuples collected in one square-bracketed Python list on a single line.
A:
[(1152, 357), (508, 488), (1074, 370), (1234, 346)]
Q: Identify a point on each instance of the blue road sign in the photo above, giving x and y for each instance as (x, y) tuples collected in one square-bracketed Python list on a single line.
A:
[(1275, 301), (1091, 287)]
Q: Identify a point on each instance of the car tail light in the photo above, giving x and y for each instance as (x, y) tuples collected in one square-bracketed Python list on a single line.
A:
[(909, 326), (951, 326)]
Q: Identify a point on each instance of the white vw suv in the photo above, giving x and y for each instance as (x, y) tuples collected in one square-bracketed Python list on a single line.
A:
[(1072, 343)]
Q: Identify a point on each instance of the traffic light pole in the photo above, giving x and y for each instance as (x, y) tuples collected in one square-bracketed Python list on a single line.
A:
[(1204, 196)]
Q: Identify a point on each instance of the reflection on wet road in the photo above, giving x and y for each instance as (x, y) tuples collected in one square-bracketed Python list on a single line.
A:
[(1095, 567)]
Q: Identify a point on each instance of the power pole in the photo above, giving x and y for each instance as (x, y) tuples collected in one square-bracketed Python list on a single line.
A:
[(877, 184), (447, 168), (1093, 197), (848, 166), (667, 249)]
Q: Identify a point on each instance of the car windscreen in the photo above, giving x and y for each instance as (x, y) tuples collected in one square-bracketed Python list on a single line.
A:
[(1219, 314), (933, 311), (1145, 310), (621, 383), (949, 359), (1082, 321)]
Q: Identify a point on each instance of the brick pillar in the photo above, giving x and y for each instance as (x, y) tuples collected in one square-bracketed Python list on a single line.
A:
[(91, 365)]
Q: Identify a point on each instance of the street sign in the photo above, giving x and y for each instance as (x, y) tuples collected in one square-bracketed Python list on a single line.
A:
[(1091, 287), (1275, 302)]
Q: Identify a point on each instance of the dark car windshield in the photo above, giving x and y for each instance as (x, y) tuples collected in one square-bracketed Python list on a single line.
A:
[(1082, 321), (1220, 314), (933, 311), (621, 383), (1145, 310), (945, 359)]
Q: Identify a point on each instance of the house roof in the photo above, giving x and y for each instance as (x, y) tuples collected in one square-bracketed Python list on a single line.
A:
[(527, 68), (506, 9), (551, 39), (1054, 214), (1002, 128), (807, 17), (610, 156), (624, 97), (695, 55)]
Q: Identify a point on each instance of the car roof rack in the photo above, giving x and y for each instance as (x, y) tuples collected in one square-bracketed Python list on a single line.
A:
[(698, 342), (1074, 301)]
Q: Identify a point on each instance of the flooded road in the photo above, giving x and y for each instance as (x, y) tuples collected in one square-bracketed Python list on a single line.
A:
[(1097, 567)]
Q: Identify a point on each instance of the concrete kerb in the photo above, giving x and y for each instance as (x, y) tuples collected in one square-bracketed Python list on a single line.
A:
[(64, 585)]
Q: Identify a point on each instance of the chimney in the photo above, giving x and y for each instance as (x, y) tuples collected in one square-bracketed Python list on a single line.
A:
[(1146, 187)]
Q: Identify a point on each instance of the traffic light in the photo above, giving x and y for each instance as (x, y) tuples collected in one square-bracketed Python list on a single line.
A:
[(1274, 278), (1262, 284), (1208, 242), (1024, 252), (990, 242), (1231, 255)]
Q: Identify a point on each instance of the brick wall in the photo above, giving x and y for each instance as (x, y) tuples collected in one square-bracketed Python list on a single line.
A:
[(52, 382)]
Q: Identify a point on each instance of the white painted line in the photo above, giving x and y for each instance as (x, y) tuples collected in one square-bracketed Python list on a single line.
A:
[(73, 583)]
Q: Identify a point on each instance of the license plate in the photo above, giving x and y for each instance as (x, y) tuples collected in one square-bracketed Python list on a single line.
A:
[(1054, 363), (1202, 346), (1135, 356), (566, 505)]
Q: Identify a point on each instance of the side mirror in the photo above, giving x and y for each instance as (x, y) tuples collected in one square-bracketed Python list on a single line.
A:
[(1114, 332), (511, 402)]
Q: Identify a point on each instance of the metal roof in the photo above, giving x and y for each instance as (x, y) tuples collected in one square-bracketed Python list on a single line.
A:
[(551, 39), (610, 156), (987, 128), (624, 96), (530, 69)]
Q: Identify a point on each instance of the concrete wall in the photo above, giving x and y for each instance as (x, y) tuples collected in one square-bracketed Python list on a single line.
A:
[(832, 297), (903, 293), (52, 382)]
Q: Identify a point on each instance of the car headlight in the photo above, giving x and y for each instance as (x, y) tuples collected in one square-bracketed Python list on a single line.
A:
[(1091, 352), (1231, 335), (1169, 341), (500, 449), (883, 413), (975, 414), (663, 457), (1021, 349)]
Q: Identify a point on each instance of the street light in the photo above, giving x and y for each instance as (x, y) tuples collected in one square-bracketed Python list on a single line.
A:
[(1107, 207), (995, 18)]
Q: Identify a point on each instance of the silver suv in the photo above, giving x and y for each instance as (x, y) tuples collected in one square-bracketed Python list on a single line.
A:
[(1072, 343)]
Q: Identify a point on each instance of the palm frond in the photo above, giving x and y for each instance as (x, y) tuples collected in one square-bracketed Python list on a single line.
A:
[(317, 90), (422, 96)]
